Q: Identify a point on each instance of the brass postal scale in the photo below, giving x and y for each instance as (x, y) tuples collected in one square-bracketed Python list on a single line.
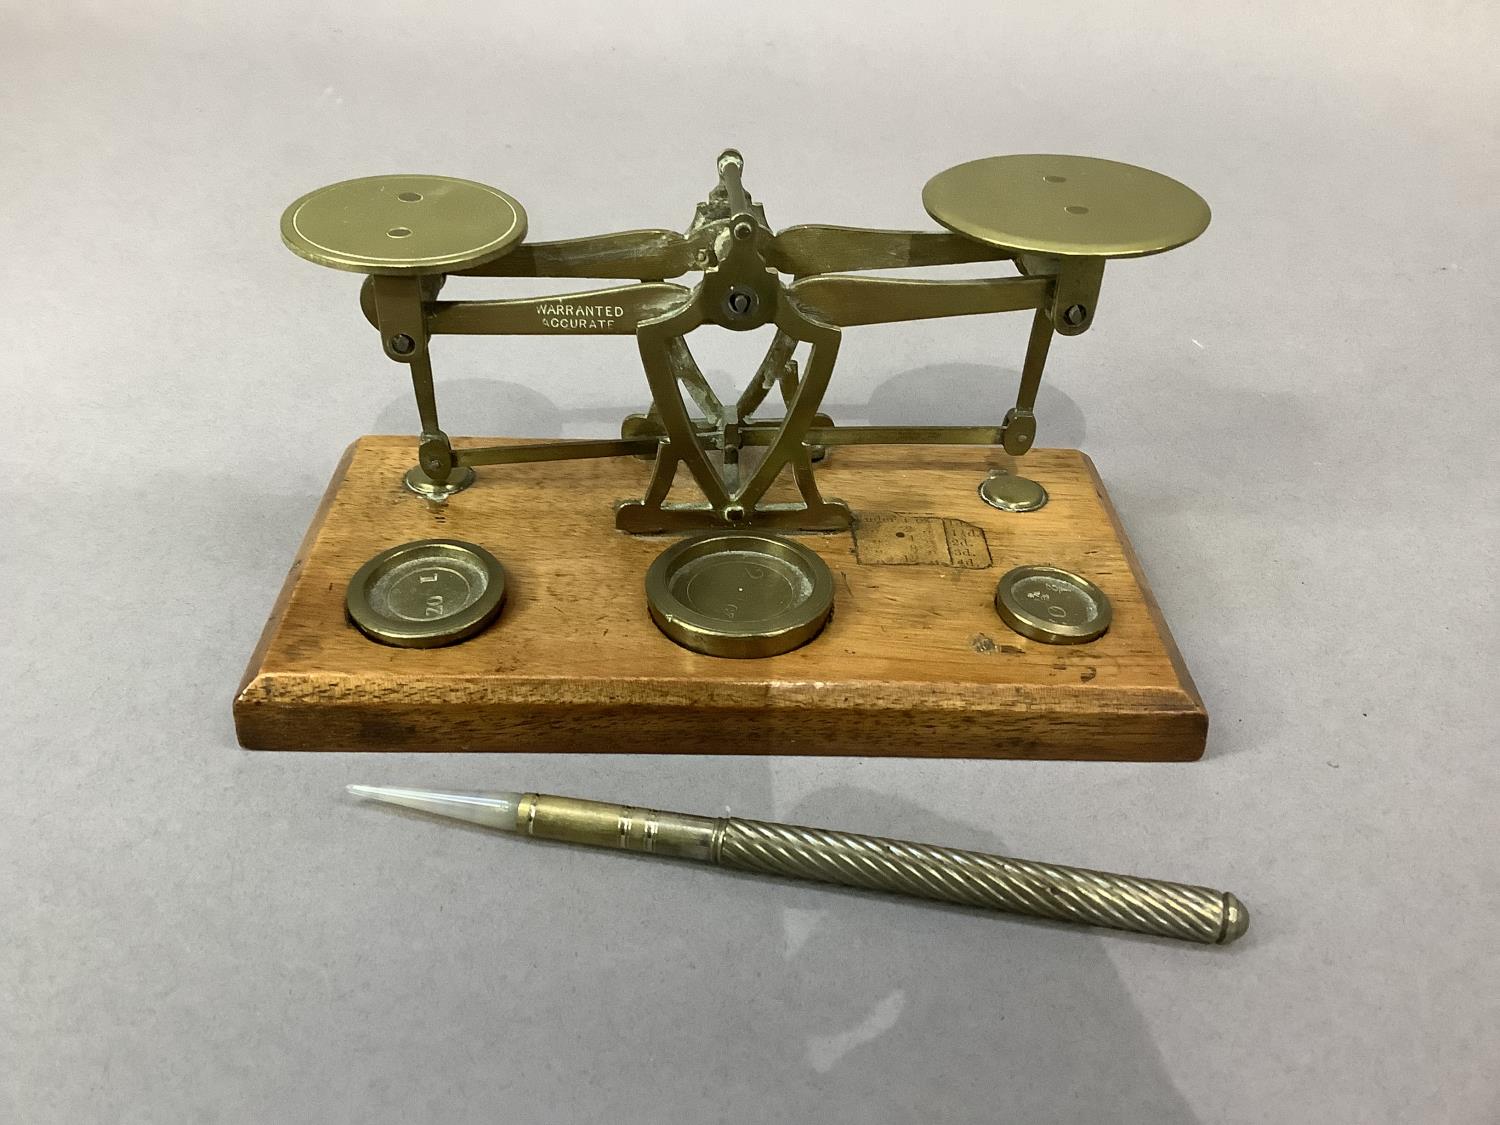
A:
[(729, 576)]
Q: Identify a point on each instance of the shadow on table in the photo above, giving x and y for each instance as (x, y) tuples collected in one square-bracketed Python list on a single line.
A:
[(941, 394), (967, 394)]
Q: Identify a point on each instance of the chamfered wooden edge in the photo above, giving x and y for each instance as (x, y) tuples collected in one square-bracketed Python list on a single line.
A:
[(1169, 643), (250, 690), (1169, 731), (273, 711)]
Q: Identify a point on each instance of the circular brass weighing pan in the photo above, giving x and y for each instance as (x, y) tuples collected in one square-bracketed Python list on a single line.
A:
[(1051, 605), (403, 225), (427, 593), (739, 594), (1066, 206)]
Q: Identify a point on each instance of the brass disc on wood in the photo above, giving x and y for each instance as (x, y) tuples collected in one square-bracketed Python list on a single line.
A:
[(1010, 493), (1066, 206), (1051, 605), (403, 225), (419, 482)]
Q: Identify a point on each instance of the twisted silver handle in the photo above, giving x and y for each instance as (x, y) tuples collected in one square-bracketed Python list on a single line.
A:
[(1016, 886)]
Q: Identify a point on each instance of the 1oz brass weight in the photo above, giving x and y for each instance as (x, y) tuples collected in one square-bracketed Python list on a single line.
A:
[(428, 593)]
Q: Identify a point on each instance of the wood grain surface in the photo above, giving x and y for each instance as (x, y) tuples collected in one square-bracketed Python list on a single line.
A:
[(914, 662)]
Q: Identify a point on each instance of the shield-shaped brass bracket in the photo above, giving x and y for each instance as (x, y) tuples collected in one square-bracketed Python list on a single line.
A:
[(730, 499)]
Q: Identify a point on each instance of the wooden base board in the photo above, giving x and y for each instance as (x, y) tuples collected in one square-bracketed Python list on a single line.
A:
[(915, 661)]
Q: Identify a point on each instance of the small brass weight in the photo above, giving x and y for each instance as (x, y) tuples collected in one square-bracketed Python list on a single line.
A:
[(735, 590)]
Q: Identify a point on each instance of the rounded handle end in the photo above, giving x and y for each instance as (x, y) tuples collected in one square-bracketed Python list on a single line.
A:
[(1236, 920)]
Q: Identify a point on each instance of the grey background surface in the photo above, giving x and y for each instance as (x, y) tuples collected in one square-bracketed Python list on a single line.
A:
[(1295, 417)]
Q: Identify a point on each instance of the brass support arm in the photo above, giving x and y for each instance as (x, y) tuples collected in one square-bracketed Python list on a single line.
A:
[(555, 451), (743, 435), (608, 312), (398, 307), (900, 435), (815, 248), (844, 301), (649, 255)]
